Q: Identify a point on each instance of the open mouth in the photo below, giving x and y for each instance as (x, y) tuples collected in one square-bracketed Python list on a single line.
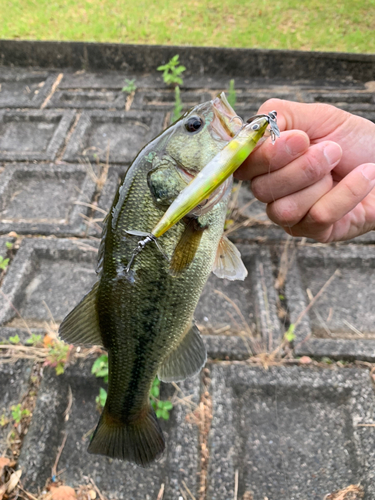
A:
[(226, 123)]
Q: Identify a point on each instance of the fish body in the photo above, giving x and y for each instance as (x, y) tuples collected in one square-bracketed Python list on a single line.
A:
[(144, 316)]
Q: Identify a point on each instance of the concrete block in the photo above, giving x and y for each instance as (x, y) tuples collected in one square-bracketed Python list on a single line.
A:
[(343, 317), (45, 199), (245, 308), (24, 89), (122, 134), (165, 99), (290, 433), (33, 135), (116, 480), (88, 99), (47, 278)]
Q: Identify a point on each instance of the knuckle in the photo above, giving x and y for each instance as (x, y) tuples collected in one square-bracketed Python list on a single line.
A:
[(284, 212), (318, 217), (258, 189)]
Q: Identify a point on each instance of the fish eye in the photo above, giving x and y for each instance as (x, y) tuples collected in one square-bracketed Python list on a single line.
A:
[(193, 124), (255, 126)]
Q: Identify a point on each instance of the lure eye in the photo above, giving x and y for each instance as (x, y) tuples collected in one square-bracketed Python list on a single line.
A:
[(255, 126), (193, 124)]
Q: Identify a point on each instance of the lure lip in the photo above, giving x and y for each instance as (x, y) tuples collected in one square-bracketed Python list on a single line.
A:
[(226, 122)]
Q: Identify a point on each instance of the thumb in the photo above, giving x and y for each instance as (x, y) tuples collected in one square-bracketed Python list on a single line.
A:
[(316, 119)]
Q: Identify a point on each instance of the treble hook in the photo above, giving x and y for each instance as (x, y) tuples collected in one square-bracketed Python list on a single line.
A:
[(271, 117), (149, 237)]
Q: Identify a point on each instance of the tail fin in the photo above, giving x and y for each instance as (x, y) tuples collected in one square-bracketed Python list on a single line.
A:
[(140, 441)]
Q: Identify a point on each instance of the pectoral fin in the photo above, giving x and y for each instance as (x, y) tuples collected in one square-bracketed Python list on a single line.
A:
[(228, 263), (186, 360), (186, 248), (81, 326)]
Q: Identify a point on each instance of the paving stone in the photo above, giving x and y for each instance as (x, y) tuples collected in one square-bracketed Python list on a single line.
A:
[(24, 89), (343, 317), (45, 199), (290, 433), (116, 480), (32, 135), (13, 386), (245, 308), (47, 278), (88, 99), (123, 134), (225, 347)]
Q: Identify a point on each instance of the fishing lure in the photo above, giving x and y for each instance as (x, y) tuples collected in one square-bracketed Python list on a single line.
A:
[(213, 175)]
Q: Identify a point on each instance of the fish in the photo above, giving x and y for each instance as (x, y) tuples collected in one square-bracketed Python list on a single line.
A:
[(144, 315)]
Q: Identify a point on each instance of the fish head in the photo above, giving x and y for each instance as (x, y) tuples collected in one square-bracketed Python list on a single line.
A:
[(201, 133)]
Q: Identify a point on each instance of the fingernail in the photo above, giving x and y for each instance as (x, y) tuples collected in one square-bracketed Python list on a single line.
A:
[(368, 171), (332, 152)]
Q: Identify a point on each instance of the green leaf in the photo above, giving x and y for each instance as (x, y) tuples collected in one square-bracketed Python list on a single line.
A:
[(34, 339), (15, 339), (289, 334), (9, 244), (155, 391), (102, 398), (159, 412), (167, 405), (100, 367), (59, 368), (3, 263)]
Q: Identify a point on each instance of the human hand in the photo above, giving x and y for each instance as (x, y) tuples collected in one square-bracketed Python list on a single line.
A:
[(318, 179)]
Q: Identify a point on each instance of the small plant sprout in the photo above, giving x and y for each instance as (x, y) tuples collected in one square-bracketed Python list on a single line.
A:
[(14, 340), (172, 71), (289, 334), (3, 263), (9, 245), (162, 408), (58, 354), (34, 340), (18, 414), (100, 368), (129, 86), (102, 398), (232, 94)]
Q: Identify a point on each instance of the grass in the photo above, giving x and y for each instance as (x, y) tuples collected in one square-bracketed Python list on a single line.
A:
[(338, 25)]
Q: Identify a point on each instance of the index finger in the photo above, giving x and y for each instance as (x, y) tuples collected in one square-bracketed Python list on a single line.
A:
[(316, 119)]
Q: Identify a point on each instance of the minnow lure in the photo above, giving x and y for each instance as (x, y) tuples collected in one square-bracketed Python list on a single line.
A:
[(213, 175)]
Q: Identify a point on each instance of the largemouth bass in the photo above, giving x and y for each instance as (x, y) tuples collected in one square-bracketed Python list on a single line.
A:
[(143, 315)]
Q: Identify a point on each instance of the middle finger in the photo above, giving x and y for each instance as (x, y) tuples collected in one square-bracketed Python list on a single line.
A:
[(301, 173)]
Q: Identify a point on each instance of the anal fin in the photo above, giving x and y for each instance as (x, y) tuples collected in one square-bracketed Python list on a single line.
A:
[(228, 263), (186, 360), (81, 326)]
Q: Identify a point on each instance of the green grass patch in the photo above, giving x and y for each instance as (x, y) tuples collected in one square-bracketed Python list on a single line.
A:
[(338, 25)]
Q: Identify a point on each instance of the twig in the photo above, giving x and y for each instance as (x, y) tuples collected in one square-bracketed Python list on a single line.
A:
[(96, 489), (27, 493), (53, 89), (161, 493), (235, 485), (187, 489), (60, 450), (70, 402), (237, 309), (90, 205)]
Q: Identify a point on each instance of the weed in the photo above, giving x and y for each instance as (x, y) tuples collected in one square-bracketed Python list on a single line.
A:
[(14, 340), (3, 263), (177, 110), (129, 86), (57, 356), (34, 340), (232, 94), (100, 367), (172, 71), (289, 334), (3, 420), (9, 245), (18, 414), (102, 398), (100, 370)]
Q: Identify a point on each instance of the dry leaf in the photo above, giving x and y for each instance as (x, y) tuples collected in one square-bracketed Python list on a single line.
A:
[(92, 494), (13, 481), (352, 492), (63, 493), (305, 360), (3, 463)]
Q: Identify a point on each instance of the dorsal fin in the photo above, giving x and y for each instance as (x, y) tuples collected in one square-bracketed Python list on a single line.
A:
[(186, 360), (228, 263), (81, 326)]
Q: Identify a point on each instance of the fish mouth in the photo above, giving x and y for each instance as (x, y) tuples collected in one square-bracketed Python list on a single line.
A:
[(226, 123)]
